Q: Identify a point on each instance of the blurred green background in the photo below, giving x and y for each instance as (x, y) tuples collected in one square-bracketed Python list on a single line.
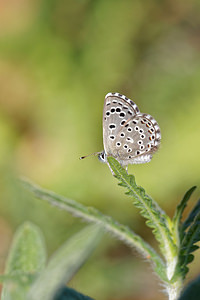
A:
[(58, 60)]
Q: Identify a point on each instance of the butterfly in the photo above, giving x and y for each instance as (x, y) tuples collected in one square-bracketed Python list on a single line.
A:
[(131, 137)]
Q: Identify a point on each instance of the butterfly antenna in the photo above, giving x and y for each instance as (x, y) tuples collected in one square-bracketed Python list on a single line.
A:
[(93, 154)]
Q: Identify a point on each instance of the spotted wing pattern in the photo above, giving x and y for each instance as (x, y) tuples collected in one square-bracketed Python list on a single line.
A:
[(118, 109), (129, 136)]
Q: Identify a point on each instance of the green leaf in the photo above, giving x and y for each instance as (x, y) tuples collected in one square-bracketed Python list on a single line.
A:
[(192, 291), (65, 263), (189, 233), (91, 214), (191, 237), (176, 227), (26, 259), (191, 217), (149, 209), (67, 293)]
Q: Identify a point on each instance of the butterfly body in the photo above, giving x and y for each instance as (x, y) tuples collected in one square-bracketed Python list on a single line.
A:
[(129, 136)]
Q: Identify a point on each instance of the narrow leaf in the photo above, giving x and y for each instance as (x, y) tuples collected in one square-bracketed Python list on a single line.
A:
[(91, 214), (192, 236), (178, 214), (191, 216), (26, 258), (149, 209), (65, 263)]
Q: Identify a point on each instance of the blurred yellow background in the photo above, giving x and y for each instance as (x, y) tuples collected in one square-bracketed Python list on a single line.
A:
[(58, 60)]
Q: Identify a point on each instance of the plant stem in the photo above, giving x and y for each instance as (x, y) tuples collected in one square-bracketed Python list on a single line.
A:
[(174, 289)]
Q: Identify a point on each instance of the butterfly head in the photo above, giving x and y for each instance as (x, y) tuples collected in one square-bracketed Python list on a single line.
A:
[(102, 157)]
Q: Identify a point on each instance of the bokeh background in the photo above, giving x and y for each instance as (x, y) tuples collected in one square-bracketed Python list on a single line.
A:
[(58, 60)]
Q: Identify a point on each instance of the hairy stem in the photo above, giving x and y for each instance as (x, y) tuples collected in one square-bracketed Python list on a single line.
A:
[(174, 289)]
